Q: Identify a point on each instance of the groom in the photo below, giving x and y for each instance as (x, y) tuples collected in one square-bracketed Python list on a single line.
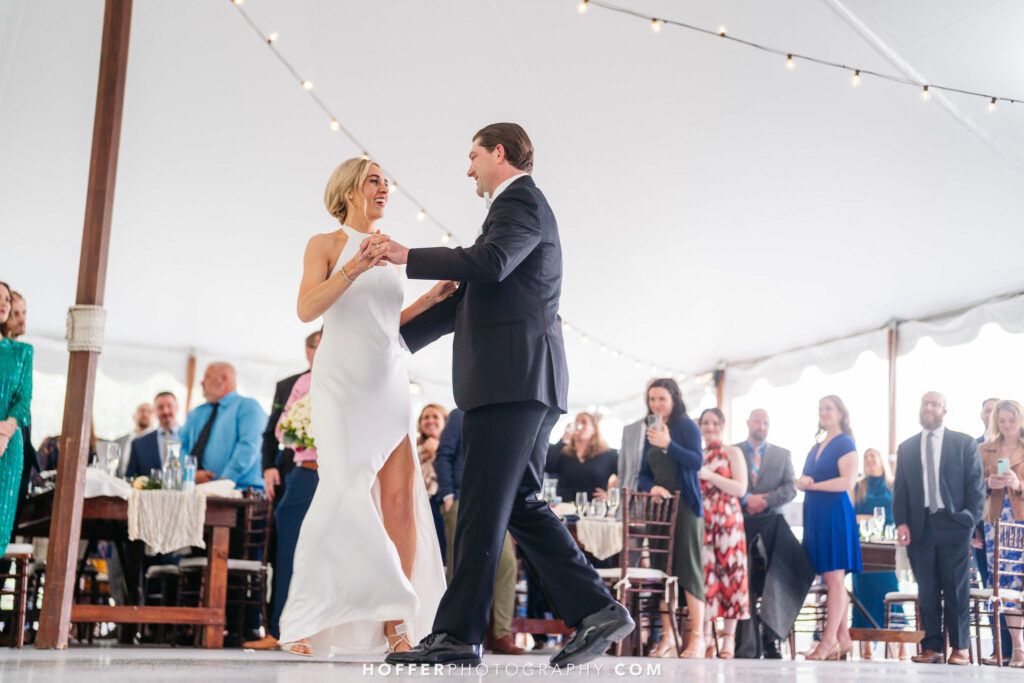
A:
[(511, 379)]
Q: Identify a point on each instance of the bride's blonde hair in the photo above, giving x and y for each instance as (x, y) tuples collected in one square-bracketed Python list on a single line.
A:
[(349, 176)]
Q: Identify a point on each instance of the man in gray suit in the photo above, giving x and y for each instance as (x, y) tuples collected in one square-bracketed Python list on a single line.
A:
[(631, 453), (770, 473)]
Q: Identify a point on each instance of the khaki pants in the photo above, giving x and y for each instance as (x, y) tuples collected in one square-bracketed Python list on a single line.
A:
[(504, 582)]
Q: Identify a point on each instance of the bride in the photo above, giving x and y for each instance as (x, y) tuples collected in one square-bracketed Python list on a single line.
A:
[(367, 572)]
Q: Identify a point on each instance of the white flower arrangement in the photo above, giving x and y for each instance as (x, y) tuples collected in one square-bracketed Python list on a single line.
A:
[(296, 430)]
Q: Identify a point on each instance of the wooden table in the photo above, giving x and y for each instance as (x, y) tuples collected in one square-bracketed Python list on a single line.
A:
[(878, 557), (97, 516)]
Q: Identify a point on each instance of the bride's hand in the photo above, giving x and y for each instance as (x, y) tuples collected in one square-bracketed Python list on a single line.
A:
[(442, 290), (371, 253)]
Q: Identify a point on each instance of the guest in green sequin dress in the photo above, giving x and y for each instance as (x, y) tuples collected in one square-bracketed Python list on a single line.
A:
[(15, 395)]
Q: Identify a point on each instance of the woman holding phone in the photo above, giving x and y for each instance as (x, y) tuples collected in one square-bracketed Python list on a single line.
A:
[(1002, 456), (672, 457)]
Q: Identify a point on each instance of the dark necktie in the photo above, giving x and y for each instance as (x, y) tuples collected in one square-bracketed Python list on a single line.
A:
[(204, 436), (932, 479)]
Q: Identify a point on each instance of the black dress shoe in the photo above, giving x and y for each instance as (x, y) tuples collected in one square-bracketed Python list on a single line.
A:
[(594, 634), (771, 650), (437, 648)]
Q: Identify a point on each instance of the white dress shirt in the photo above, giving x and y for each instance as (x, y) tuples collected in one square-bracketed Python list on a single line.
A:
[(937, 445), (489, 199)]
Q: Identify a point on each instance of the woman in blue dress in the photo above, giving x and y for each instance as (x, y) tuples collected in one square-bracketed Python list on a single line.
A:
[(831, 536), (15, 395), (874, 490)]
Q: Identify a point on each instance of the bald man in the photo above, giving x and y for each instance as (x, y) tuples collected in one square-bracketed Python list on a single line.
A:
[(224, 433), (937, 500)]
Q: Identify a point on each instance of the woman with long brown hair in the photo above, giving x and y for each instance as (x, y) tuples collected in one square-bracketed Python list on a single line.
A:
[(831, 535), (429, 426), (585, 463)]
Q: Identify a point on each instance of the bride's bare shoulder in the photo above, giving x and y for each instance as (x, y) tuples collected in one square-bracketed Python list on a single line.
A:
[(326, 244)]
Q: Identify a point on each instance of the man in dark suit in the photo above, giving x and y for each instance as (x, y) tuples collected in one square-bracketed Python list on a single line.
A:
[(511, 378), (770, 473), (277, 461), (937, 501), (147, 451)]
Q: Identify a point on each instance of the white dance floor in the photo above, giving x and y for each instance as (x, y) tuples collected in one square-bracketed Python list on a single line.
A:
[(105, 664)]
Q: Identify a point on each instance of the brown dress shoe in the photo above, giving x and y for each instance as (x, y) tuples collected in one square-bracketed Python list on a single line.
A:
[(927, 657), (959, 657), (505, 645), (264, 643)]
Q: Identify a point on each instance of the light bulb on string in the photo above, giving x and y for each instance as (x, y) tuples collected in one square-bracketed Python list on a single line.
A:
[(238, 2), (335, 125), (638, 365), (855, 81), (582, 7), (790, 64), (393, 187), (446, 238), (654, 369), (604, 348), (585, 339), (655, 25), (274, 35), (615, 353), (308, 85), (925, 95), (566, 327), (721, 30), (366, 157), (421, 216), (991, 106)]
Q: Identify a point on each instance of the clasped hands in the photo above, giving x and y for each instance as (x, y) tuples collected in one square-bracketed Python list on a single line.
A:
[(380, 250)]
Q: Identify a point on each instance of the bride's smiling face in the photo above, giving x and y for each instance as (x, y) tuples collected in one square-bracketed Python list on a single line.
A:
[(373, 196)]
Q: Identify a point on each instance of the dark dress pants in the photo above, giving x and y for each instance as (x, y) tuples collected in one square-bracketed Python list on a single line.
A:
[(941, 561), (288, 515), (505, 447), (752, 636)]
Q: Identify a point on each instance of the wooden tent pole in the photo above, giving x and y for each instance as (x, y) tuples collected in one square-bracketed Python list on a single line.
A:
[(892, 343), (190, 380), (66, 522)]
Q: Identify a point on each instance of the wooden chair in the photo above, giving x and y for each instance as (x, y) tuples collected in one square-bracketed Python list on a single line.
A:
[(1008, 560), (14, 569), (248, 575), (645, 579)]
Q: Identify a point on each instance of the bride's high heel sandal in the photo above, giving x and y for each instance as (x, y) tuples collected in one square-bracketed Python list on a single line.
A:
[(299, 647), (399, 638)]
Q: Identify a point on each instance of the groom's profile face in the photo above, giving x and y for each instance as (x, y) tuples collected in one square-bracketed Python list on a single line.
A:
[(483, 167)]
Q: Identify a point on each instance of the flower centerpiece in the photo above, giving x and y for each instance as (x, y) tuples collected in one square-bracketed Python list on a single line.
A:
[(295, 425)]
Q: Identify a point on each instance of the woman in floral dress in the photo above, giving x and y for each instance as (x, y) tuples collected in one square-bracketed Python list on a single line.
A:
[(723, 483)]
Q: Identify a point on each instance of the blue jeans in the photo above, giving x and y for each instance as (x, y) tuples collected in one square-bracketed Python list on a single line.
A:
[(300, 485)]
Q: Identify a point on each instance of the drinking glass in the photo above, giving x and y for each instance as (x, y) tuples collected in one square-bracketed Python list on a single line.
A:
[(889, 534), (879, 520), (113, 457), (581, 502), (865, 532), (614, 500), (598, 508), (102, 448)]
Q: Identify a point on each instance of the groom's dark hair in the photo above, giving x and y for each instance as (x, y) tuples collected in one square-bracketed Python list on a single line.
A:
[(511, 136)]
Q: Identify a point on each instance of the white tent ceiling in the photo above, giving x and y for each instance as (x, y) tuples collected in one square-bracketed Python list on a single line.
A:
[(712, 205)]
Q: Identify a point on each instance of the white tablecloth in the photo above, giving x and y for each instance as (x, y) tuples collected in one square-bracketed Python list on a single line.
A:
[(99, 483), (601, 536), (166, 520)]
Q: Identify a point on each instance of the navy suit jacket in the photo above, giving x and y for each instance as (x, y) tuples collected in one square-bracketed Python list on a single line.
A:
[(145, 456), (448, 463), (508, 336)]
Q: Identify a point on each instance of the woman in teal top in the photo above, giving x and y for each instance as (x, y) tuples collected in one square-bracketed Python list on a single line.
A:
[(15, 395), (874, 490)]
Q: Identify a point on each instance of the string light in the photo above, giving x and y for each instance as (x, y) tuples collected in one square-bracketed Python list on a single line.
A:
[(991, 106), (925, 95), (657, 23), (446, 236), (582, 7)]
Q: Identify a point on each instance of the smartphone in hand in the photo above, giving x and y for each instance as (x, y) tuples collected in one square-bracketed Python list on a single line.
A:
[(655, 421), (1002, 465)]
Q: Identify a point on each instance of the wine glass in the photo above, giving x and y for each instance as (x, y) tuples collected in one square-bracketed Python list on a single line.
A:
[(614, 500), (581, 503), (598, 508), (878, 520)]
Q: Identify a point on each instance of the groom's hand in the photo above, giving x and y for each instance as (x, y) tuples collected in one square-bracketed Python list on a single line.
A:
[(393, 251)]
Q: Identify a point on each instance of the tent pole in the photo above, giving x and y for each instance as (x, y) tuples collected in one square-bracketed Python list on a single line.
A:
[(190, 380), (892, 344), (66, 521)]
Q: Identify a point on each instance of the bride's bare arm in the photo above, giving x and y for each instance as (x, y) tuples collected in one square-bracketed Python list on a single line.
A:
[(319, 289), (438, 293)]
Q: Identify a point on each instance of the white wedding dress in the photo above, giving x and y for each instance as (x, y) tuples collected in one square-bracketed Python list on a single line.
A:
[(347, 577)]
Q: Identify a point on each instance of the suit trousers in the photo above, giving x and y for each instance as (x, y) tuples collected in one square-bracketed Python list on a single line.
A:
[(505, 448), (941, 561), (288, 516), (504, 582)]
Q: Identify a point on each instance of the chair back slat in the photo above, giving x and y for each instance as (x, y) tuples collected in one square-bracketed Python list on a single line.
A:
[(648, 530), (1008, 551), (256, 538)]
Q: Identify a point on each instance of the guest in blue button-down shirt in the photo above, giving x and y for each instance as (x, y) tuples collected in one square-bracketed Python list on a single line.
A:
[(232, 449)]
